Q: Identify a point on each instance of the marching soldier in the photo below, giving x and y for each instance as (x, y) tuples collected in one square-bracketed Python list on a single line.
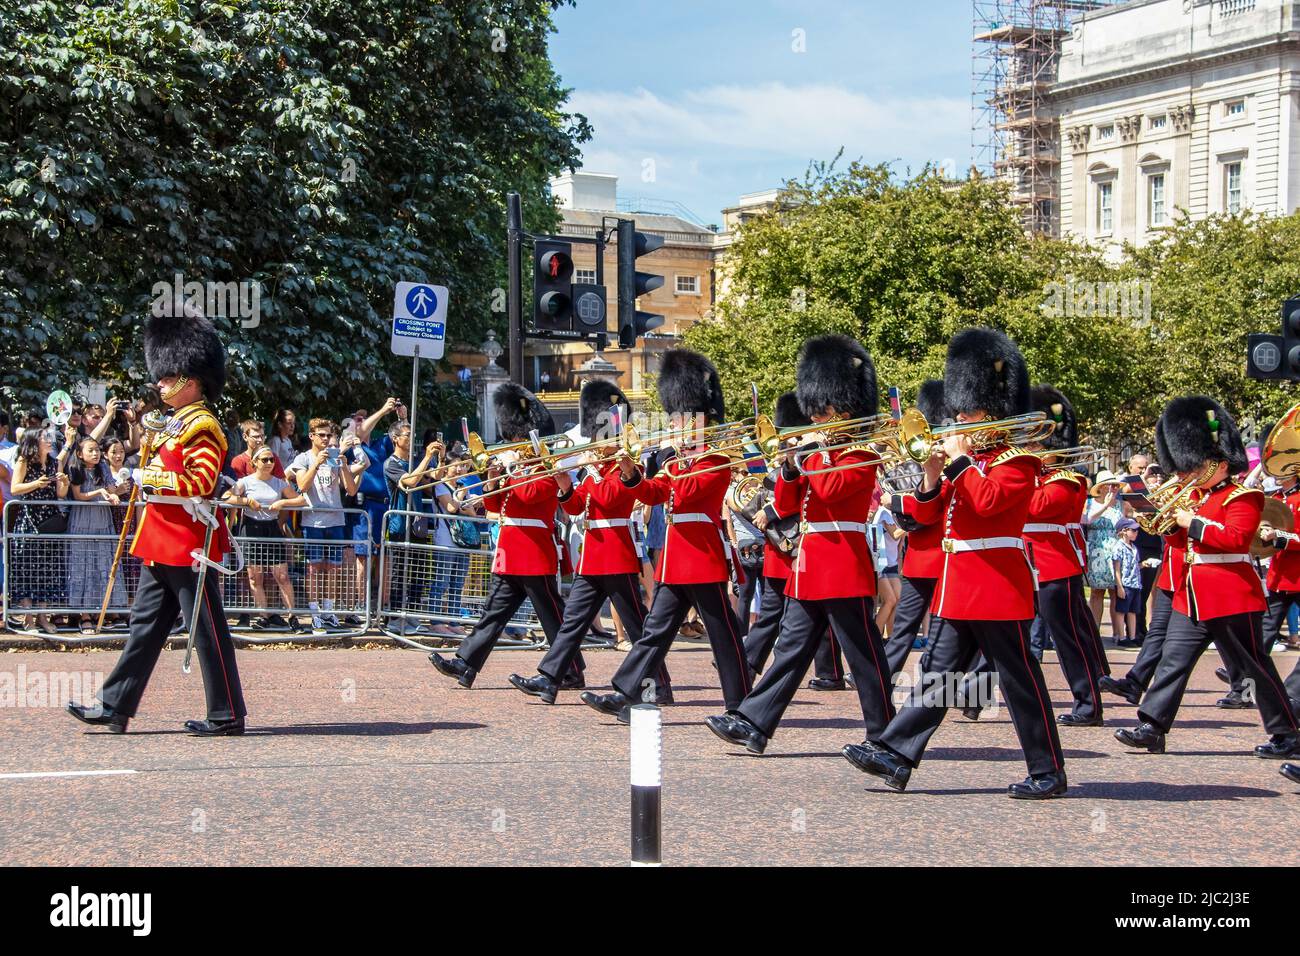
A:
[(179, 480), (1219, 598), (832, 580), (923, 558), (526, 562), (1060, 563), (762, 636), (985, 592), (695, 562), (609, 567)]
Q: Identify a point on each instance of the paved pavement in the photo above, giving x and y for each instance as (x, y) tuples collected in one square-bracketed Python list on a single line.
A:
[(369, 757)]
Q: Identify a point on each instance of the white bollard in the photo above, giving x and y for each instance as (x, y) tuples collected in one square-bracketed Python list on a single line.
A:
[(646, 746)]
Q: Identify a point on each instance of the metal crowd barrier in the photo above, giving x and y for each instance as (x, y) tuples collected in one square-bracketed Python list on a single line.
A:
[(433, 588), (66, 574)]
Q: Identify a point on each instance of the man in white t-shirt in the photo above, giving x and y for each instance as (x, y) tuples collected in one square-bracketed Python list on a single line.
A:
[(323, 477)]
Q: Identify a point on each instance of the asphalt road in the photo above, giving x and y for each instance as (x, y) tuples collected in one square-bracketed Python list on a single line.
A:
[(369, 757)]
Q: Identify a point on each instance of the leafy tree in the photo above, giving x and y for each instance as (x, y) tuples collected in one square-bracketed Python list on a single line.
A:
[(325, 149)]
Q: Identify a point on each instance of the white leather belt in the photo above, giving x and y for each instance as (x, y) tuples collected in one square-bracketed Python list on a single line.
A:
[(830, 527), (1195, 557), (688, 518), (957, 545), (523, 523), (608, 523), (1047, 528)]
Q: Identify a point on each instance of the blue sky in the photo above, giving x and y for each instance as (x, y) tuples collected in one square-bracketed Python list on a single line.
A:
[(702, 101)]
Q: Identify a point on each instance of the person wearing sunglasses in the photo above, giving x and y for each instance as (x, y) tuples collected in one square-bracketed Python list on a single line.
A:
[(265, 500)]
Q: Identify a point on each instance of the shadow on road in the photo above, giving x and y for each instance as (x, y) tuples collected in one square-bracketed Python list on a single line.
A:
[(378, 729), (1166, 792)]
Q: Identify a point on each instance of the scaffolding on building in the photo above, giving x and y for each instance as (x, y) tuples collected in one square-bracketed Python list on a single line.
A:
[(1015, 134)]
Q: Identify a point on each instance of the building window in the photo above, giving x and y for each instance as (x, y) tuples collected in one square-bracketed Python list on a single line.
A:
[(1156, 192), (1105, 207), (1157, 122), (1106, 132), (1232, 188), (1230, 8), (1235, 108), (688, 285), (585, 275)]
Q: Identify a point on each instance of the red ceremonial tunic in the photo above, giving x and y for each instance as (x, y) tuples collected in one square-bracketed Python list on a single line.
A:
[(833, 559), (605, 501), (924, 555), (527, 514), (693, 551), (778, 563), (1284, 568), (1055, 506), (983, 500), (184, 465), (1173, 562), (1220, 578)]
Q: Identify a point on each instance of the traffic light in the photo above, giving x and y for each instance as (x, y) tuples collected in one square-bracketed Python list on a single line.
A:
[(1277, 356), (553, 285), (632, 284)]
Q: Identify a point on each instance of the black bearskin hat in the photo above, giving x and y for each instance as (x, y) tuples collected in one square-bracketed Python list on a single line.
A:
[(689, 384), (929, 401), (186, 345), (985, 370), (788, 412), (518, 412), (1052, 403), (593, 406), (1196, 429), (836, 372)]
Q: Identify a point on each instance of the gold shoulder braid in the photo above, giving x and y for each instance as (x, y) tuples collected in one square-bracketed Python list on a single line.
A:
[(1239, 490), (1012, 452), (193, 420), (1063, 474)]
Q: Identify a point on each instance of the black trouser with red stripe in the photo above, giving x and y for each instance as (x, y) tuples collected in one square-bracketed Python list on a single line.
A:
[(1068, 619), (672, 602), (163, 592), (828, 661), (1239, 638), (913, 605), (1279, 606), (951, 653), (1144, 668), (802, 628), (505, 596), (586, 598)]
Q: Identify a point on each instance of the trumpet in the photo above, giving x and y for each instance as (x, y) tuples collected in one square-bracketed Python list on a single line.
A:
[(1170, 497), (481, 455), (1071, 459), (770, 439)]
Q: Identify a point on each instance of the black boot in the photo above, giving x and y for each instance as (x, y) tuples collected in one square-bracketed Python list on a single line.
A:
[(826, 683), (1145, 736), (215, 728), (537, 686), (1223, 675), (454, 667), (573, 680), (99, 716), (1235, 700), (1280, 746), (878, 762), (1290, 771), (1039, 786), (1125, 687), (735, 729), (612, 705), (1074, 720)]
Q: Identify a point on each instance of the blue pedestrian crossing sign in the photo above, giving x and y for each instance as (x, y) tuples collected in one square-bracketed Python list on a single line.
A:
[(420, 319)]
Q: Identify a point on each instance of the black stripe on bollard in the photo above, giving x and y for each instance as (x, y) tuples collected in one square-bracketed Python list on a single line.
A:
[(645, 753)]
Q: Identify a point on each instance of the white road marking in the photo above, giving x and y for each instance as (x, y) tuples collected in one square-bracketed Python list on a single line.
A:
[(63, 773)]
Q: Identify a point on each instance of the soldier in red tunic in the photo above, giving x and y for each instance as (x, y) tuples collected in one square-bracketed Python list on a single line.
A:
[(923, 556), (526, 562), (695, 562), (1060, 562), (832, 581), (1219, 597), (985, 592), (609, 568), (179, 480)]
